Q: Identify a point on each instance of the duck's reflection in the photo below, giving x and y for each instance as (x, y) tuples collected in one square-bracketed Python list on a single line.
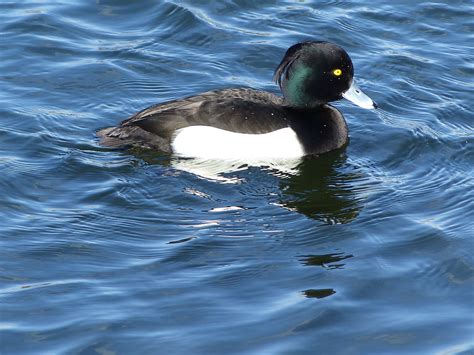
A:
[(318, 293), (327, 261), (324, 189)]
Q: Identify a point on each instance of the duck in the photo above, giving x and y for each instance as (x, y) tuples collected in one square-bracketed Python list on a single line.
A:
[(249, 123)]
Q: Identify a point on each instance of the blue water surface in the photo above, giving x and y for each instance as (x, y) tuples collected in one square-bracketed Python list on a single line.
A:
[(366, 250)]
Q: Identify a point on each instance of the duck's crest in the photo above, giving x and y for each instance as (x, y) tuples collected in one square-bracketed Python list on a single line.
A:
[(291, 55)]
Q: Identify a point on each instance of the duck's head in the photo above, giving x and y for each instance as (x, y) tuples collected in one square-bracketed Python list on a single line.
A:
[(315, 73)]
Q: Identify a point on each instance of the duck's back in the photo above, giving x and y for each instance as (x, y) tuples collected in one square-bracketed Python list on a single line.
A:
[(245, 111)]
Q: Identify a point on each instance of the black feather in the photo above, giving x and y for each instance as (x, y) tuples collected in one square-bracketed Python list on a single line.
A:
[(292, 54)]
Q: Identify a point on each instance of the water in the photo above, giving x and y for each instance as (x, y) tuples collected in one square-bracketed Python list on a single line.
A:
[(364, 250)]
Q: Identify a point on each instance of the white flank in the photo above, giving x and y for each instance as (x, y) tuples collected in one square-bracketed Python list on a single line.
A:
[(214, 143)]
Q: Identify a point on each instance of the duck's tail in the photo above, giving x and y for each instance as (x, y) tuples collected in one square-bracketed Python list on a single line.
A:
[(128, 136), (109, 138)]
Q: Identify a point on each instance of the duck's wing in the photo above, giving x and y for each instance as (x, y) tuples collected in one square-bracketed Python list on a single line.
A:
[(237, 110)]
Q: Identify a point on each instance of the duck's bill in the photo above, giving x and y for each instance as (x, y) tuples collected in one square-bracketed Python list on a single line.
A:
[(356, 96)]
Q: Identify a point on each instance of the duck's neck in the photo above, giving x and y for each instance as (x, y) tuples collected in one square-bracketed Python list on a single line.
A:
[(294, 89), (320, 130)]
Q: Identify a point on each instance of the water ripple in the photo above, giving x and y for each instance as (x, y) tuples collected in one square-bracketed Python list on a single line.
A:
[(108, 251)]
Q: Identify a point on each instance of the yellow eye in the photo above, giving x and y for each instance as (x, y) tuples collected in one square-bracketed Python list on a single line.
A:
[(337, 72)]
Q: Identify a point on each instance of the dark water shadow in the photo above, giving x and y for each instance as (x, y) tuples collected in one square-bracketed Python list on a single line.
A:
[(324, 189), (328, 262), (318, 293)]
